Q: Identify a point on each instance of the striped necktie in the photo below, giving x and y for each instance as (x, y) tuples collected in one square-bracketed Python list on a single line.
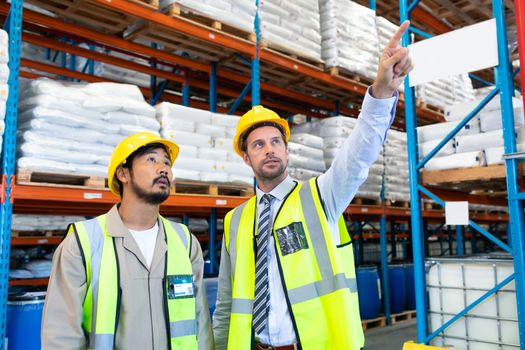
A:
[(261, 305)]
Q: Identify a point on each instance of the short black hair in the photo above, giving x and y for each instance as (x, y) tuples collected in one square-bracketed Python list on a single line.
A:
[(245, 134), (128, 163)]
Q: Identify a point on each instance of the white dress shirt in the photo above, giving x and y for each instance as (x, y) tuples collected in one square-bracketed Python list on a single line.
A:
[(337, 188)]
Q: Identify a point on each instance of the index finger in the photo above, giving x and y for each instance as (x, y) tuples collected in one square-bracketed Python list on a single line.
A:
[(394, 41)]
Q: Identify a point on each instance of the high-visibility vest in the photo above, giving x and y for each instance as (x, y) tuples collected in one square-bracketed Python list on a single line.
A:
[(319, 279), (102, 302)]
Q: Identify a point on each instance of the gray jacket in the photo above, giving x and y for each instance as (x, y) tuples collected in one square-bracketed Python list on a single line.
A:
[(142, 322)]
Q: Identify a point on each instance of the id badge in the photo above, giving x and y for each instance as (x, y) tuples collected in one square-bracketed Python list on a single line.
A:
[(180, 286), (291, 238)]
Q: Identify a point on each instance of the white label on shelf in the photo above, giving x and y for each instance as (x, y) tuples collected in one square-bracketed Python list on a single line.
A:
[(364, 210), (456, 52), (221, 201), (90, 195), (42, 241), (211, 35), (456, 213)]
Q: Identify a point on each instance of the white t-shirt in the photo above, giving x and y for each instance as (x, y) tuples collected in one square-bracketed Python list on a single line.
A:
[(146, 240)]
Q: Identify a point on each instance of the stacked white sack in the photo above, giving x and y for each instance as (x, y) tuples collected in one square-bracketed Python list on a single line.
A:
[(206, 144), (489, 139), (291, 26), (4, 76), (238, 14), (446, 92), (43, 222), (305, 156), (349, 37), (73, 127), (396, 166), (333, 132)]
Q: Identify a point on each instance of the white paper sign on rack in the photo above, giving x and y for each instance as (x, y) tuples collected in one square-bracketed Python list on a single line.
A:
[(456, 213), (461, 51)]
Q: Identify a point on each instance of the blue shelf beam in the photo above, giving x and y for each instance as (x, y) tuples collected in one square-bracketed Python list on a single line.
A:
[(213, 87)]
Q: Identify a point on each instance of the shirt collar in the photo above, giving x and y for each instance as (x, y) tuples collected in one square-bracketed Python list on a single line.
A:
[(280, 191)]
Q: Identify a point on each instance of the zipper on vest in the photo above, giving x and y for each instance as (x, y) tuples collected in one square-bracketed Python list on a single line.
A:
[(150, 311)]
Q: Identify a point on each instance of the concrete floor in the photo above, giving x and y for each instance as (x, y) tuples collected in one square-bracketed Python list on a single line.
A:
[(390, 337)]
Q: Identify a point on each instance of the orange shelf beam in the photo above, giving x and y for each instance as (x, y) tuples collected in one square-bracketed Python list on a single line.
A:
[(36, 240), (30, 282)]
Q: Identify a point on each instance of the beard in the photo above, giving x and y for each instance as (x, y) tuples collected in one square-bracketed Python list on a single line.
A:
[(271, 174), (152, 197)]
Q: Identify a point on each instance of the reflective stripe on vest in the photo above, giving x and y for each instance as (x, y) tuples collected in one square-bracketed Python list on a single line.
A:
[(100, 308), (319, 280)]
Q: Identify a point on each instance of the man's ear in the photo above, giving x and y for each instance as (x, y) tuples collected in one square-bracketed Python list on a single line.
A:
[(122, 174), (246, 159)]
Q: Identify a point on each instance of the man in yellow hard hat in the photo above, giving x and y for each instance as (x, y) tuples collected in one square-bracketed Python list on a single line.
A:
[(130, 279), (287, 277)]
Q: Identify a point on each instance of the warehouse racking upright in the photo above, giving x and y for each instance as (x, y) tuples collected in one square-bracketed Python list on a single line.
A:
[(13, 26), (504, 88)]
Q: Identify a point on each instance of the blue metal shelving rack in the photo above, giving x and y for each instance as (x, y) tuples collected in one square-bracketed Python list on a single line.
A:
[(504, 88), (13, 26)]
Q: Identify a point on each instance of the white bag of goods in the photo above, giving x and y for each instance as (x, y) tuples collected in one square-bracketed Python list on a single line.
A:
[(194, 164), (228, 121), (439, 131), (223, 143), (235, 168), (170, 111), (187, 138), (239, 179), (4, 46), (210, 130), (494, 155), (217, 154), (188, 151), (458, 160), (185, 174), (426, 147), (302, 174), (307, 140), (461, 110), (493, 120), (297, 161), (215, 176), (478, 142), (305, 151)]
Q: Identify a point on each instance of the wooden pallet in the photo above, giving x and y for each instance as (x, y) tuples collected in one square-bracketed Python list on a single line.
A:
[(478, 179), (37, 178), (403, 316), (174, 41), (343, 72), (373, 323), (44, 233), (183, 12), (277, 48), (92, 14), (366, 201), (397, 204), (424, 105), (212, 189)]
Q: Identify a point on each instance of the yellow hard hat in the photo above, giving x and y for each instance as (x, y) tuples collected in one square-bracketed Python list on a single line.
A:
[(129, 145), (258, 115)]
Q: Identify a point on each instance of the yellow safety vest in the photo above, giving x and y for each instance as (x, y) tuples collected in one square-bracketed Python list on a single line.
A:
[(319, 280), (102, 302)]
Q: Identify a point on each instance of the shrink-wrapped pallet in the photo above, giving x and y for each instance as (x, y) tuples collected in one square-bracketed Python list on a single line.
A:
[(69, 127), (349, 37)]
